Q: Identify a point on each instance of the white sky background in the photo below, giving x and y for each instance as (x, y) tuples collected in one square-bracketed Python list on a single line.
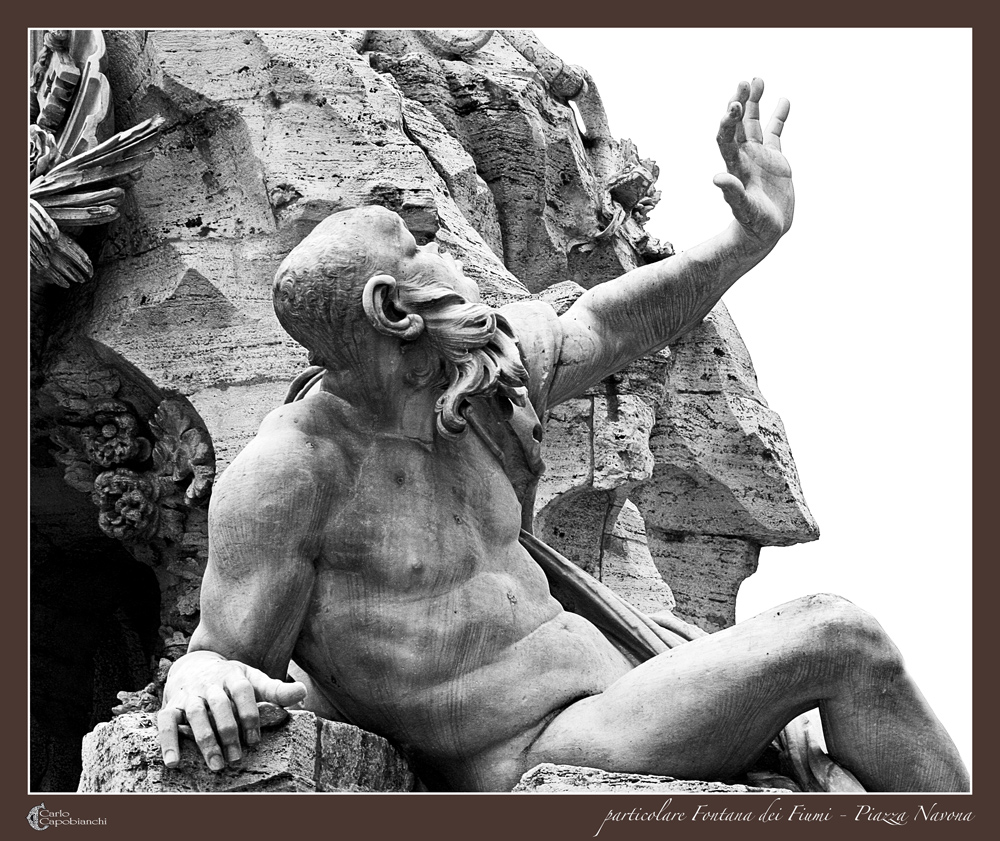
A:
[(859, 323)]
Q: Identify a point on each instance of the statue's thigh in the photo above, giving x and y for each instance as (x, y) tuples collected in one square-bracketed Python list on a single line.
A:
[(706, 709)]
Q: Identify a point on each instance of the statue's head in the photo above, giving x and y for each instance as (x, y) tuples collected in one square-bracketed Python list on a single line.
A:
[(360, 274)]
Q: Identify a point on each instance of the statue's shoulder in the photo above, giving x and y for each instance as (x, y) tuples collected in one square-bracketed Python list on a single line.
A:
[(539, 335), (295, 451), (269, 495), (303, 439), (319, 416), (532, 319)]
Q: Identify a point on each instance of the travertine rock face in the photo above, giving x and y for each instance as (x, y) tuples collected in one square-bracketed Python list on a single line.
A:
[(717, 430), (303, 753), (547, 778), (688, 438), (724, 482), (668, 476), (526, 147)]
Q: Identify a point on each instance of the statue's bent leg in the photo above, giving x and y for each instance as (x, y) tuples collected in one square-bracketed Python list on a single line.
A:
[(706, 709)]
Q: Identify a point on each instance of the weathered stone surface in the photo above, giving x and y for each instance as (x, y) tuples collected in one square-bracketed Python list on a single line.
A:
[(711, 477), (123, 755), (596, 450), (622, 424), (576, 523), (568, 452), (234, 413), (724, 482), (271, 715), (547, 778), (723, 461), (352, 759), (705, 573), (458, 170), (628, 566), (527, 148)]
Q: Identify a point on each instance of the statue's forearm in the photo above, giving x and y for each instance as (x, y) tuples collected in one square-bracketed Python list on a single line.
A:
[(654, 305), (675, 298)]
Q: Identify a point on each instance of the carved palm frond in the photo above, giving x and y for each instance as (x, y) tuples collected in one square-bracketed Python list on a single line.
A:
[(55, 258), (83, 190), (71, 184)]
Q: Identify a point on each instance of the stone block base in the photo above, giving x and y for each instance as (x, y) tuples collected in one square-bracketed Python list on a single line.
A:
[(303, 753), (547, 777)]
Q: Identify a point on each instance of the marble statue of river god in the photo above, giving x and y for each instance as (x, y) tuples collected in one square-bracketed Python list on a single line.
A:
[(371, 535)]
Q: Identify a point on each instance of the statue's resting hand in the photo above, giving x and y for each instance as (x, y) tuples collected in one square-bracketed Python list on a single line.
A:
[(217, 699)]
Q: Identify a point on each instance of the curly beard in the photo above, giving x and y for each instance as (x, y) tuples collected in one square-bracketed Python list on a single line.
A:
[(479, 355), (473, 352)]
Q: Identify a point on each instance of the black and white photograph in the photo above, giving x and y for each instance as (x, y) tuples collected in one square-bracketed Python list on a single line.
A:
[(502, 410)]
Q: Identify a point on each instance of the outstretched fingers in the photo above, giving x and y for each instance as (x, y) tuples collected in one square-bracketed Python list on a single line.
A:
[(731, 132), (773, 136), (751, 123)]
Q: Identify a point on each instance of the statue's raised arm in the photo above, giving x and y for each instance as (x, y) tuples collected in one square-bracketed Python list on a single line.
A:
[(651, 306)]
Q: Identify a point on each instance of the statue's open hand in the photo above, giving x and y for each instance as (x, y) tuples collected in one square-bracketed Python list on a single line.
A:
[(217, 699), (758, 181)]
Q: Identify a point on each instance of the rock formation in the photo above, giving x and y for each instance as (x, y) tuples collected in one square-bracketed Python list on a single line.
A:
[(664, 482), (297, 752), (547, 778)]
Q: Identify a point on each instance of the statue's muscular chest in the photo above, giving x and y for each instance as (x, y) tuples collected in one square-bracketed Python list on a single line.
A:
[(416, 516)]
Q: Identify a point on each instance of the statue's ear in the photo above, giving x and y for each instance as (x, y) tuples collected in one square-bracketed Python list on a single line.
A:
[(373, 299)]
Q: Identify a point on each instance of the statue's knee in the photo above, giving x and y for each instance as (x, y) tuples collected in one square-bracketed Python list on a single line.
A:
[(848, 634)]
